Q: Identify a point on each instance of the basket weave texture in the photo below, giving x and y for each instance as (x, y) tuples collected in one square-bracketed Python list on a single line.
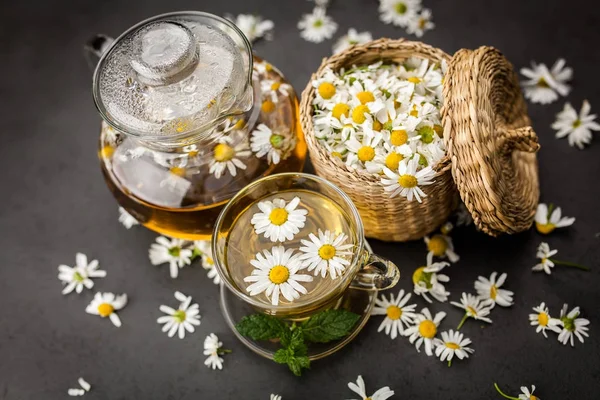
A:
[(384, 218)]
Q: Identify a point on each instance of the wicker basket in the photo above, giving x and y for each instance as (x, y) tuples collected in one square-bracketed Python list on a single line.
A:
[(490, 147)]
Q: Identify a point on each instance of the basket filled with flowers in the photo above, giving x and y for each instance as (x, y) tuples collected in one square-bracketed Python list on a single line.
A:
[(405, 129)]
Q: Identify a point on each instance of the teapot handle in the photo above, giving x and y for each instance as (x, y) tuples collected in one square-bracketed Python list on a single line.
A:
[(95, 48)]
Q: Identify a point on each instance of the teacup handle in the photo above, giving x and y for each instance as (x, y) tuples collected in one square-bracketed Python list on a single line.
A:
[(377, 273)]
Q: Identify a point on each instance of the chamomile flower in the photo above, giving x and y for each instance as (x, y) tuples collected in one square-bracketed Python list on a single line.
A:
[(364, 150), (275, 273), (547, 219), (474, 308), (440, 246), (317, 26), (528, 395), (253, 26), (407, 180), (203, 247), (127, 219), (429, 282), (399, 12), (278, 220), (544, 85), (213, 348), (227, 156), (544, 253), (352, 38), (420, 24), (326, 254), (80, 276), (543, 321), (266, 142), (398, 313), (490, 289), (360, 389), (424, 329), (170, 251), (452, 344), (572, 326), (83, 389), (275, 88), (106, 305), (577, 127), (275, 397), (181, 320)]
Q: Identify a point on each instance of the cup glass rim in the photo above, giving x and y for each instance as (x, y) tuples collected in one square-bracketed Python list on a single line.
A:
[(288, 307)]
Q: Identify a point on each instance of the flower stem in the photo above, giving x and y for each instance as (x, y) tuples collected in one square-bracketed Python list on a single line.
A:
[(502, 394), (450, 362), (462, 321), (569, 264), (221, 351)]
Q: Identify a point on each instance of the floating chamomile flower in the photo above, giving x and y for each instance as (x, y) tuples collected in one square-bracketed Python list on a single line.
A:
[(577, 127), (326, 254), (543, 321), (83, 389), (127, 219), (278, 220), (397, 313), (80, 276), (424, 329), (352, 38), (317, 26), (253, 26), (421, 23), (440, 246), (170, 251), (544, 85), (474, 308), (181, 320), (428, 281), (399, 12), (226, 156), (277, 273), (213, 348), (572, 326), (105, 305), (452, 344), (272, 144), (203, 248), (407, 180), (525, 393), (546, 263), (274, 89), (490, 289), (360, 389), (548, 219)]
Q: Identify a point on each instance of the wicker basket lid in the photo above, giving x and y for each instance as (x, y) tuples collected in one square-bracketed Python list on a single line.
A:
[(490, 142)]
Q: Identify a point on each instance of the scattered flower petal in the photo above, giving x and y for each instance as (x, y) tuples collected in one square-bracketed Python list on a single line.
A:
[(127, 219), (360, 389), (181, 320), (544, 85), (548, 219), (428, 281), (452, 344), (490, 289), (213, 348), (572, 326), (544, 253), (543, 321), (106, 304), (170, 251), (577, 127), (317, 26), (440, 246), (80, 276)]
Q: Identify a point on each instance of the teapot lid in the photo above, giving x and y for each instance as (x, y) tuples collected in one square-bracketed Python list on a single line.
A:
[(173, 75)]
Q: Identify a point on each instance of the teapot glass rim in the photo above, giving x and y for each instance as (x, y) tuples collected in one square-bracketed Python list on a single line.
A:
[(141, 134)]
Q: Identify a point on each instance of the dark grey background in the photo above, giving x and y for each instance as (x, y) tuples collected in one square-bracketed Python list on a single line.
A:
[(54, 203)]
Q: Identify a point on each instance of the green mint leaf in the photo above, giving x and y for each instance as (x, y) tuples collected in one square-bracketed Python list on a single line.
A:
[(329, 325), (261, 327), (294, 355), (297, 364), (292, 337)]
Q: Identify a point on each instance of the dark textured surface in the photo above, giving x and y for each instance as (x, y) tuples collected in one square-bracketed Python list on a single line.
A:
[(55, 203)]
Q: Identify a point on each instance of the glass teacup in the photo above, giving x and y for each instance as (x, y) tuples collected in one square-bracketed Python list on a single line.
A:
[(328, 248)]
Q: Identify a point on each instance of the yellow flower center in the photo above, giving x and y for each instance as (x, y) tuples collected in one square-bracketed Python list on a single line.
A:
[(393, 160), (377, 126), (421, 276), (452, 345), (239, 124), (394, 312), (267, 106), (326, 90), (179, 315), (278, 216), (400, 8), (414, 79), (471, 311), (407, 181), (275, 86), (414, 112), (365, 97), (422, 22), (105, 310), (439, 130), (327, 252), (177, 171), (192, 153), (437, 245), (279, 274), (542, 83), (366, 153), (209, 260), (493, 292), (398, 137), (545, 228), (223, 152), (427, 329), (532, 397), (543, 319), (268, 67), (78, 277), (340, 109), (336, 154), (107, 151), (544, 260), (577, 123), (358, 114)]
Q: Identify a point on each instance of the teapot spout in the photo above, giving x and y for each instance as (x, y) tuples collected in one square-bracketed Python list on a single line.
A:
[(95, 48)]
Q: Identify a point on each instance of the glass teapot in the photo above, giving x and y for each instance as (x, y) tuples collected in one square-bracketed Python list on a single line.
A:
[(190, 118)]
